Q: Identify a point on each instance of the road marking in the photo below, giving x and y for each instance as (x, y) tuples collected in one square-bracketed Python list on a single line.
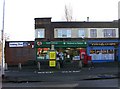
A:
[(50, 72), (70, 71), (47, 72)]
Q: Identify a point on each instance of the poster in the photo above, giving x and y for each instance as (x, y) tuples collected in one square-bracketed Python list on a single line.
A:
[(52, 55), (52, 63)]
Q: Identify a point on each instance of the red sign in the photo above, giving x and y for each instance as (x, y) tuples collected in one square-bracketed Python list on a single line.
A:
[(39, 43), (82, 53)]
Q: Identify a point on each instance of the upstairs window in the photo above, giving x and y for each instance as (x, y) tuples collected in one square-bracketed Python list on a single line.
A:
[(40, 33), (93, 33), (109, 33), (64, 33), (81, 33)]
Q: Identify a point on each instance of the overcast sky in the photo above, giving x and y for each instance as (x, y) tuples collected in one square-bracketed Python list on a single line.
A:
[(20, 14)]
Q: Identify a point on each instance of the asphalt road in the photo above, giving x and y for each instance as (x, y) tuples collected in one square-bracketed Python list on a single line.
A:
[(109, 83), (72, 79), (95, 78)]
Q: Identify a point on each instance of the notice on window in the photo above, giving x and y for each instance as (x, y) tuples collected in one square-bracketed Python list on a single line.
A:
[(52, 55)]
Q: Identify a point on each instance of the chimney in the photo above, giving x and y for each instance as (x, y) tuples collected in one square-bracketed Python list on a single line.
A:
[(87, 19)]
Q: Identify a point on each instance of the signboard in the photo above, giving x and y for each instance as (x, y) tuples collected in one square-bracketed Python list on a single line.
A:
[(62, 44), (52, 55), (103, 44), (18, 44), (52, 63)]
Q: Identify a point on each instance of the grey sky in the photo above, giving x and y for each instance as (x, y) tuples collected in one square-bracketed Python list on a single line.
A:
[(20, 14)]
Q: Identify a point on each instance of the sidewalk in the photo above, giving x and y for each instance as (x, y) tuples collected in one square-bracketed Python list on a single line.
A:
[(32, 74)]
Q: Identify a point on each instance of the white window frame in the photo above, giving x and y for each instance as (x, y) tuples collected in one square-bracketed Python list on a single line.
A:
[(40, 33), (107, 34), (64, 32), (81, 33), (93, 34)]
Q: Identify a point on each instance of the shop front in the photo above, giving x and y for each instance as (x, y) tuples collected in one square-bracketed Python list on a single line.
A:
[(69, 49), (103, 51)]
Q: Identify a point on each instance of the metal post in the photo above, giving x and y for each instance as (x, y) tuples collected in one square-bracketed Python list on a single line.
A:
[(52, 47), (119, 30), (119, 38), (19, 66), (3, 42), (58, 65), (6, 66), (39, 66), (80, 64)]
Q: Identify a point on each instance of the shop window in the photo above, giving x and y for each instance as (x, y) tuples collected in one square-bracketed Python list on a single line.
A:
[(110, 51), (92, 52), (104, 51), (104, 54), (42, 53), (98, 51)]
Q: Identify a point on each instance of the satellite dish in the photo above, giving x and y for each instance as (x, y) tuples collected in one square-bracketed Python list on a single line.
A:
[(83, 37)]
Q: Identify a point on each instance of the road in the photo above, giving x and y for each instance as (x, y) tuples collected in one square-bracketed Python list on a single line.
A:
[(86, 78), (109, 83), (0, 77), (70, 79)]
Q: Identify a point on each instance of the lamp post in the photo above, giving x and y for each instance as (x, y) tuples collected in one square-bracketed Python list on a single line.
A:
[(3, 41), (119, 28)]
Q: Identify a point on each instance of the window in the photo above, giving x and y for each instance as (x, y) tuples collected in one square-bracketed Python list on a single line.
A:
[(81, 33), (64, 33), (40, 33), (93, 33), (109, 32)]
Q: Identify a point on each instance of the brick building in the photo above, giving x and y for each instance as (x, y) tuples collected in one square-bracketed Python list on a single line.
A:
[(98, 39)]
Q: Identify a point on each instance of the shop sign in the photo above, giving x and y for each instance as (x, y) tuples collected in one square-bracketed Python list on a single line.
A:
[(18, 44), (61, 43), (103, 44)]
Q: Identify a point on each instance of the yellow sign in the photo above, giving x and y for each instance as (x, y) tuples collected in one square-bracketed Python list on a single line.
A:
[(52, 55), (52, 63)]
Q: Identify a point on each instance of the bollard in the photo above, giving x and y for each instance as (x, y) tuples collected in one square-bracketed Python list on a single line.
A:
[(6, 66), (58, 65), (80, 64), (39, 66), (19, 66)]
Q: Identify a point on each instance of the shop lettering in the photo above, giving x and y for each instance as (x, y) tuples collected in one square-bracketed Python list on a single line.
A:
[(103, 44), (62, 43), (72, 43)]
